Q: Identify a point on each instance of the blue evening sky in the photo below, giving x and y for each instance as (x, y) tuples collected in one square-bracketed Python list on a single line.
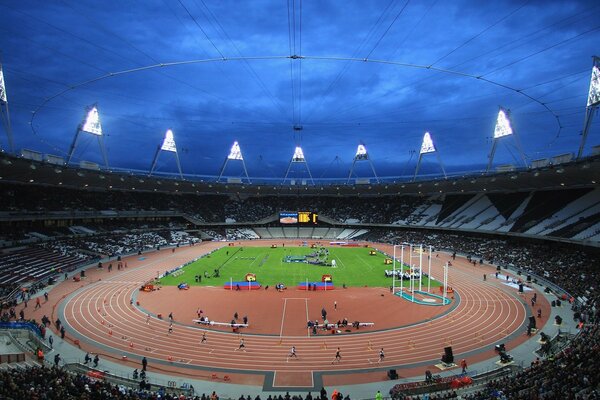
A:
[(430, 65)]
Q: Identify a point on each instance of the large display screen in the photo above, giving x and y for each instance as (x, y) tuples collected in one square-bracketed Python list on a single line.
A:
[(298, 217)]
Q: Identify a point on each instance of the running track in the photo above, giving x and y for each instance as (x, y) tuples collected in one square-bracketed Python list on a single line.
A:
[(100, 314)]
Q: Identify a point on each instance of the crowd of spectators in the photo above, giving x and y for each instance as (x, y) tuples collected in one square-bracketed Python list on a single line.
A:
[(570, 267), (44, 383), (55, 383), (573, 268), (206, 208), (119, 243)]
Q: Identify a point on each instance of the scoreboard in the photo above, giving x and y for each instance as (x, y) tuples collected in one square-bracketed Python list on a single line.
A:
[(298, 218)]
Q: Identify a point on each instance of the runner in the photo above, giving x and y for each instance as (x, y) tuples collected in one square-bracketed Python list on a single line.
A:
[(381, 355), (338, 356), (203, 338), (242, 346), (292, 354)]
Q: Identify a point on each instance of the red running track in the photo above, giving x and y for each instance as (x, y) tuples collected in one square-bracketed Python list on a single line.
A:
[(100, 315)]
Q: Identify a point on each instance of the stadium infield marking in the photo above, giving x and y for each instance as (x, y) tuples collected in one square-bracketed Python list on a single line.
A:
[(125, 319)]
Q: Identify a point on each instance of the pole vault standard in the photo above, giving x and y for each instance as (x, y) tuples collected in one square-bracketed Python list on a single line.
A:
[(402, 271), (411, 275), (445, 282), (420, 266), (394, 267), (429, 273)]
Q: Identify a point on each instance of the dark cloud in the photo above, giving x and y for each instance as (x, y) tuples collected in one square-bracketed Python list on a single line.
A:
[(540, 48)]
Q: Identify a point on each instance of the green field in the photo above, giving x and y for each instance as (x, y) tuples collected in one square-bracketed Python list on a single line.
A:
[(355, 267)]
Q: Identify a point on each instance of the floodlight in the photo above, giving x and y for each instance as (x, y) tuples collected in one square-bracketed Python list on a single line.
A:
[(503, 127), (298, 155), (594, 95), (236, 152), (427, 144), (92, 122), (169, 142), (3, 97), (361, 153)]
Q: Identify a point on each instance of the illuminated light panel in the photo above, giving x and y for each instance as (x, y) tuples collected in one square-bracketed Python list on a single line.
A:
[(427, 145), (236, 152), (169, 142), (92, 122), (3, 97), (503, 127), (298, 155), (594, 95), (361, 153)]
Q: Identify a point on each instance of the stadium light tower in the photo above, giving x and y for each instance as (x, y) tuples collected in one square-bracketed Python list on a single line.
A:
[(169, 146), (362, 155), (235, 154), (298, 158), (91, 126), (4, 112), (592, 103), (428, 147), (503, 129)]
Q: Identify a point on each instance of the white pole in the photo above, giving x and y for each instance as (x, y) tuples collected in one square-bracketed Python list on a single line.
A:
[(230, 283), (402, 271), (394, 270), (412, 278), (429, 273), (445, 282), (420, 267)]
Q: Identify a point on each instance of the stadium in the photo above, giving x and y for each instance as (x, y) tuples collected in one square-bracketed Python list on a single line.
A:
[(292, 201)]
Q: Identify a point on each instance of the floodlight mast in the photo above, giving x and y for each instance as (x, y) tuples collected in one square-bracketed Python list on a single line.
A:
[(169, 146), (90, 125), (235, 154), (592, 103), (362, 155), (503, 129), (298, 158), (428, 147), (4, 113)]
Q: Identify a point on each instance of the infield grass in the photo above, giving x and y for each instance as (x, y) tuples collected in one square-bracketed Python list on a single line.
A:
[(355, 267)]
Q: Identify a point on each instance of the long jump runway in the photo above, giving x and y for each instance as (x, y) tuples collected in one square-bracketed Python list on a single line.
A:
[(101, 315)]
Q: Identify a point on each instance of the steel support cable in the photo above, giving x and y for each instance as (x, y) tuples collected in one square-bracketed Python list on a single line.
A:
[(417, 82), (202, 29), (248, 66), (382, 36), (541, 51), (56, 51), (512, 43), (290, 38), (481, 33), (167, 4), (126, 72), (300, 69), (107, 50), (154, 60), (328, 58), (346, 65), (388, 28)]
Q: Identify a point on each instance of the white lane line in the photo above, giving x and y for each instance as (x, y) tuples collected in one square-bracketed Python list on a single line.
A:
[(282, 318), (307, 328)]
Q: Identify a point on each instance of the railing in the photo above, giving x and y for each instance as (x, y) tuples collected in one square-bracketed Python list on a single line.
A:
[(169, 386), (21, 326)]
